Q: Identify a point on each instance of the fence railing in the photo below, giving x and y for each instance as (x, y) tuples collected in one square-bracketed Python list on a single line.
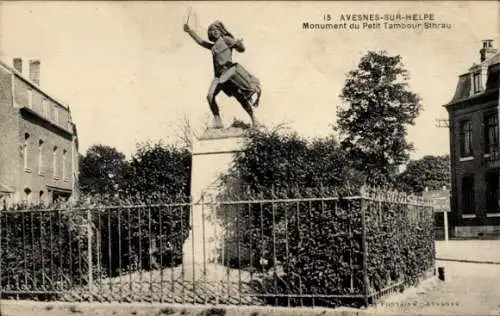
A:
[(304, 251)]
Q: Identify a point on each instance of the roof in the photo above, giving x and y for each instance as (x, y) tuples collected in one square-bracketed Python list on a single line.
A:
[(494, 60), (463, 88), (5, 189), (33, 85)]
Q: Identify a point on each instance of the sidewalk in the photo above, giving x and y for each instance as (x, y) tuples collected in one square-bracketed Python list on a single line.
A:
[(469, 250), (469, 288), (25, 308)]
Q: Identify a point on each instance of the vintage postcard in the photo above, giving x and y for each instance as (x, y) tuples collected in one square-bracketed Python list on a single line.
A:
[(249, 157)]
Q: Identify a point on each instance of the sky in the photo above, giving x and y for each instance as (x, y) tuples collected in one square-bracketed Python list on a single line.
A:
[(130, 74)]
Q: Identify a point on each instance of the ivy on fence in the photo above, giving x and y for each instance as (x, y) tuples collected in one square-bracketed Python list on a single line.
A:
[(314, 247), (342, 249), (45, 250)]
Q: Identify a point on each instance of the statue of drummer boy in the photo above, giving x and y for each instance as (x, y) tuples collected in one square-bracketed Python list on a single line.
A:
[(230, 77)]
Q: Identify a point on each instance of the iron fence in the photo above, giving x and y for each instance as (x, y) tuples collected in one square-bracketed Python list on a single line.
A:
[(301, 251)]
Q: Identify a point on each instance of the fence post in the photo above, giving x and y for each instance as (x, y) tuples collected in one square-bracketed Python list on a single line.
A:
[(89, 252), (445, 217), (366, 283)]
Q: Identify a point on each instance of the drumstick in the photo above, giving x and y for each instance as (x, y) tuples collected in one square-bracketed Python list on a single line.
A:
[(189, 15)]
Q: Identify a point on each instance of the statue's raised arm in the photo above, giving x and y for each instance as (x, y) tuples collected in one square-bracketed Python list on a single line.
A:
[(229, 77), (196, 37)]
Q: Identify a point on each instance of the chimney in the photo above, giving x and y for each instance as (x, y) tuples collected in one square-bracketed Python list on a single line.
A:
[(487, 51), (35, 71), (18, 64)]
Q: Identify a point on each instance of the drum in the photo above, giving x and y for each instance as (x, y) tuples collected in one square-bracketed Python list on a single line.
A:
[(238, 80)]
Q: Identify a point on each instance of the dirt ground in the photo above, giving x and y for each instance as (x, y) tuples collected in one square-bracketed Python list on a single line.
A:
[(468, 289)]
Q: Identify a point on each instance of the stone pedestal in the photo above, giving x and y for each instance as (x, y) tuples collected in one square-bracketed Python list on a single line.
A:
[(212, 156)]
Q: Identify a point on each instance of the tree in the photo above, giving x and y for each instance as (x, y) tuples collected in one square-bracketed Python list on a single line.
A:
[(158, 169), (432, 172), (286, 161), (185, 132), (295, 236), (378, 109), (102, 170)]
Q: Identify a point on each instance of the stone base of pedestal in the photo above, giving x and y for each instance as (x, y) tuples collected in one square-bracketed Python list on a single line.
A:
[(212, 156)]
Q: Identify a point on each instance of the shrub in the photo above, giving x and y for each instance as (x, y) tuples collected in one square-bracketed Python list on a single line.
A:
[(46, 248), (158, 171), (43, 249), (303, 246), (141, 235), (304, 229)]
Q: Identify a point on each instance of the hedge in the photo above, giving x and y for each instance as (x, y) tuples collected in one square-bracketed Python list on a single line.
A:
[(329, 249), (300, 245), (314, 246), (44, 250), (137, 238)]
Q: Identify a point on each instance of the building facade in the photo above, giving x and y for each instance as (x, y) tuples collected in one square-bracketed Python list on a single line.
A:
[(39, 147), (474, 147)]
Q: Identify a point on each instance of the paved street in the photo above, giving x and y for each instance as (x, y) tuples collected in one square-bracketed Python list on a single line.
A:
[(470, 288)]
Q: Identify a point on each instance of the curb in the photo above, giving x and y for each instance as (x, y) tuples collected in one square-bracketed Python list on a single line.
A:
[(21, 308), (469, 261)]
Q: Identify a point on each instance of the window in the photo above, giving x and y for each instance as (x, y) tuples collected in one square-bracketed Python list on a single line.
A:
[(40, 197), (468, 200), (26, 151), (56, 114), (40, 157), (476, 82), (45, 108), (492, 178), (490, 133), (30, 98), (27, 195), (466, 139), (64, 173), (54, 163)]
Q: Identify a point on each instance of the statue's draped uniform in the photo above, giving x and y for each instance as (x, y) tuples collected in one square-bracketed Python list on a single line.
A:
[(232, 75)]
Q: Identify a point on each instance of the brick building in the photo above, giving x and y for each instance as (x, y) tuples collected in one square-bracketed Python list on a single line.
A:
[(39, 146), (474, 147)]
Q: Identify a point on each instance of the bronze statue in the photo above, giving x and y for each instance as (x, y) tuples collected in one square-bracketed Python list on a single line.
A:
[(231, 78)]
